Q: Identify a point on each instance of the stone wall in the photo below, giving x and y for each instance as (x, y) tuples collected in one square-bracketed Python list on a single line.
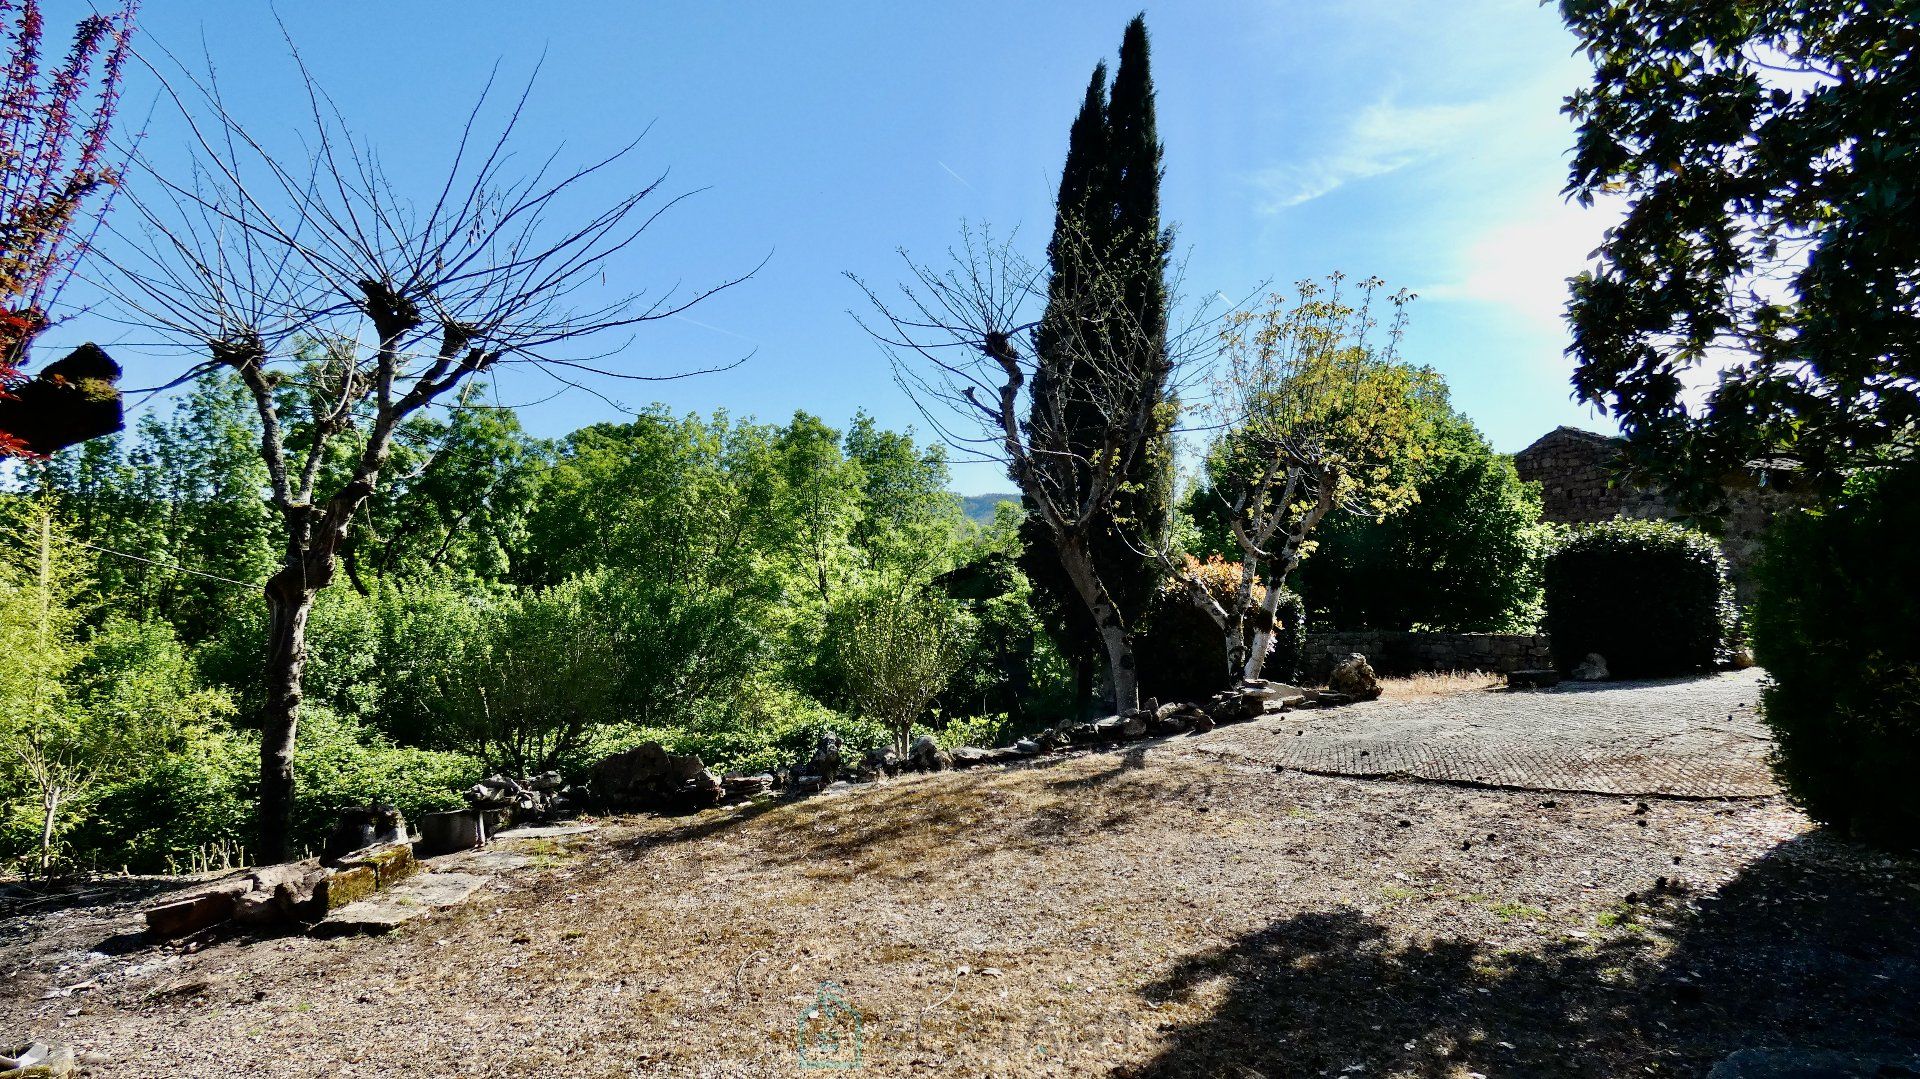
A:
[(1577, 473), (1394, 652)]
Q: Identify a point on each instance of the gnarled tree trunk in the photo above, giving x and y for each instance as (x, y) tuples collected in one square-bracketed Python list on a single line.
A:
[(313, 542), (288, 607), (1107, 622)]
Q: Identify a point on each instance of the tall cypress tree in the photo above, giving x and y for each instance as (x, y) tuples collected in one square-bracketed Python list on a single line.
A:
[(1107, 223), (1137, 251)]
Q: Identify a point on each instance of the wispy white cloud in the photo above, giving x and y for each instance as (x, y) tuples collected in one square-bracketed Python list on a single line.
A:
[(1523, 262), (1384, 137)]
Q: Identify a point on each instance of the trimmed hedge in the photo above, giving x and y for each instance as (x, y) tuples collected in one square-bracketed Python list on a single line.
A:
[(1834, 624), (1650, 597)]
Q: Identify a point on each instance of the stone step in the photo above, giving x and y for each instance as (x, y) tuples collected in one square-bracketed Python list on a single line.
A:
[(545, 831), (415, 897)]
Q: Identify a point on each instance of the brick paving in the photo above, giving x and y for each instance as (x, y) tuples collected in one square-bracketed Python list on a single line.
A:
[(1690, 738)]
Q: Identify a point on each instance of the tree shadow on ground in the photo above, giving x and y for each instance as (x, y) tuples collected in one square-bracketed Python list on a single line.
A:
[(909, 829), (1813, 945), (31, 898), (923, 806), (1612, 684)]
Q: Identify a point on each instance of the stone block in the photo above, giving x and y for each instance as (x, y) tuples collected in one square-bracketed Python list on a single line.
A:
[(346, 886), (968, 756), (1533, 678), (391, 863), (444, 833), (190, 914)]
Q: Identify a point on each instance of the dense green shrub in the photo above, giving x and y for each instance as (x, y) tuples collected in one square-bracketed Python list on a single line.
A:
[(176, 809), (1466, 557), (343, 764), (1834, 625), (768, 728), (1650, 597), (1013, 667), (993, 730), (202, 795)]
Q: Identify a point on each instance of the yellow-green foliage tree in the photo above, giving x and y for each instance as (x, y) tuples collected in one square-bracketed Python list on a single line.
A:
[(1316, 415), (50, 749)]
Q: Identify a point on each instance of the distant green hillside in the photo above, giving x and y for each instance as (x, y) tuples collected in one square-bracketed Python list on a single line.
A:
[(980, 507)]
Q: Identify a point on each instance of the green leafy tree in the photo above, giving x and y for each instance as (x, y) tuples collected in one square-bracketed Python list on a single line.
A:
[(1464, 557), (463, 491), (52, 749), (688, 513), (907, 520), (184, 492), (544, 676), (897, 645), (82, 709), (1766, 154), (1316, 416)]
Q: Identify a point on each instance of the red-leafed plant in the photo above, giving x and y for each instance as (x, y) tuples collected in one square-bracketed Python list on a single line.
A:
[(54, 180)]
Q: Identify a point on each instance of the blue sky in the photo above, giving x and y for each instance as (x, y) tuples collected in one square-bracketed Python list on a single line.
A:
[(1416, 140)]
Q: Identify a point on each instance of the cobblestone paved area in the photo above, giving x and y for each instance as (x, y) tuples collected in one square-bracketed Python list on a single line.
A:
[(1692, 738)]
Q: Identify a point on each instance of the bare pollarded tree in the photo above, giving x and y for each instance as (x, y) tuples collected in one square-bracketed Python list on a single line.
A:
[(346, 306), (962, 340)]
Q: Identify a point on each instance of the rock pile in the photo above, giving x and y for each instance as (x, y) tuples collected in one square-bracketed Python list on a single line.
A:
[(648, 777), (536, 797)]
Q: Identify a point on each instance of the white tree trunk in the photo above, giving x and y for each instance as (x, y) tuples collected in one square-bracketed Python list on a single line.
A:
[(1266, 630), (1107, 621)]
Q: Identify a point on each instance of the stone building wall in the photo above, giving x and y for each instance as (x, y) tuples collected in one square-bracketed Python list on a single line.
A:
[(1398, 652), (1577, 474)]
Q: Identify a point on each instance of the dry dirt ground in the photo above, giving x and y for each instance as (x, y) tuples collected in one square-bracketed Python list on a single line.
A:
[(1154, 910)]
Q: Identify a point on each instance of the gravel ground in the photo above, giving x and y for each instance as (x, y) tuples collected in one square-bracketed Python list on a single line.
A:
[(1152, 911), (1689, 738)]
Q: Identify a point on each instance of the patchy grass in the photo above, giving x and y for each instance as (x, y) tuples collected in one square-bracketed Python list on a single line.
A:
[(1439, 684), (1146, 912)]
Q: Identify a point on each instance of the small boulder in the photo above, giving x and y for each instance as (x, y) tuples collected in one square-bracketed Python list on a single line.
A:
[(1354, 677), (1591, 669), (879, 761), (826, 758), (746, 784), (1027, 747), (969, 756), (927, 756), (705, 789), (1232, 706), (1167, 721)]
